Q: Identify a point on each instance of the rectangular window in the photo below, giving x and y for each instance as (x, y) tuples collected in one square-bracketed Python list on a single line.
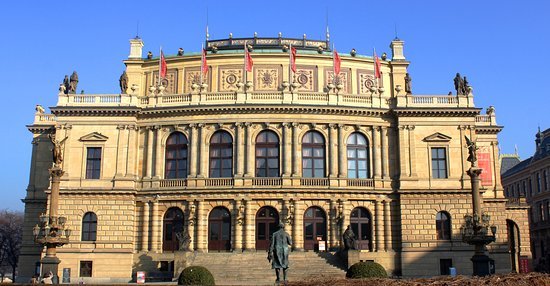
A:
[(85, 269), (539, 183), (439, 163), (444, 266), (545, 175), (93, 162)]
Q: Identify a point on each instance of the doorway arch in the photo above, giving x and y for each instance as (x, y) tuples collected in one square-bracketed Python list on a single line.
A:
[(315, 227), (513, 244), (361, 224), (267, 220), (219, 229), (172, 224)]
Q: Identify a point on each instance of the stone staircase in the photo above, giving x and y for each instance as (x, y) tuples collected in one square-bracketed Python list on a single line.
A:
[(252, 268)]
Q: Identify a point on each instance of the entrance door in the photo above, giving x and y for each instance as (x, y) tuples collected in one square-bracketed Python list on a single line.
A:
[(513, 244), (219, 230), (315, 228), (172, 225), (267, 220), (361, 224)]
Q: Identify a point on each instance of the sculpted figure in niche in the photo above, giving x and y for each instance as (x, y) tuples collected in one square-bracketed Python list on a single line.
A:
[(278, 251), (73, 82), (408, 88), (123, 81)]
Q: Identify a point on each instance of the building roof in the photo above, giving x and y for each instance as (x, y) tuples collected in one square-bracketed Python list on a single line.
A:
[(508, 161), (543, 150)]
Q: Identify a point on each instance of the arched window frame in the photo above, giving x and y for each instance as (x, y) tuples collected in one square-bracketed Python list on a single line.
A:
[(221, 164), (173, 219), (316, 161), (267, 154), (443, 225), (176, 156), (355, 149), (89, 227)]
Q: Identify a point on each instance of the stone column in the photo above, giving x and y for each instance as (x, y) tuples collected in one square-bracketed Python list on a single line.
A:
[(385, 155), (333, 149), (295, 151), (249, 239), (67, 149), (120, 162), (342, 168), (250, 152), (32, 175), (239, 131), (287, 150), (496, 172), (376, 154), (155, 232), (131, 152), (412, 150), (146, 231), (403, 154), (238, 233), (202, 146), (193, 150), (149, 168), (298, 226), (158, 153), (201, 227), (387, 233), (379, 227)]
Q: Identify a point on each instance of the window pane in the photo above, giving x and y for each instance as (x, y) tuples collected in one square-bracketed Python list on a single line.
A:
[(226, 163), (308, 229), (362, 153), (362, 165), (319, 163), (352, 174), (318, 152), (273, 173), (319, 173), (362, 174), (260, 163), (306, 152), (351, 153), (273, 163), (361, 140), (307, 163), (273, 152), (307, 173)]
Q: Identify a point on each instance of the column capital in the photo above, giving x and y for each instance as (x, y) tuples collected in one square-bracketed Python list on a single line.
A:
[(295, 124), (332, 125), (239, 124), (286, 124), (410, 127)]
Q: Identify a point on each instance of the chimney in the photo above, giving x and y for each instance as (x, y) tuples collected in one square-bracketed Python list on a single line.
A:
[(136, 45), (397, 50)]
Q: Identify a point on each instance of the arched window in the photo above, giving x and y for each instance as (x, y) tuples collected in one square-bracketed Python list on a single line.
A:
[(358, 156), (172, 228), (267, 154), (443, 225), (221, 155), (89, 227), (176, 156), (313, 155)]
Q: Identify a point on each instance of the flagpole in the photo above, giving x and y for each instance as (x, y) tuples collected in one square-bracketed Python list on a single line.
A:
[(374, 64), (244, 58), (290, 64), (160, 65), (202, 60)]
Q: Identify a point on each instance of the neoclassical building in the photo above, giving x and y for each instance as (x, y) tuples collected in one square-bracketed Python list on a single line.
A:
[(219, 157), (528, 182)]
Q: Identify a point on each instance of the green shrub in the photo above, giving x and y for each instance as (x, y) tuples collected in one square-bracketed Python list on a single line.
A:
[(366, 270), (196, 275)]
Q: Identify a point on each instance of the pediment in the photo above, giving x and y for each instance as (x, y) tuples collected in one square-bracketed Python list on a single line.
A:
[(437, 137), (94, 136)]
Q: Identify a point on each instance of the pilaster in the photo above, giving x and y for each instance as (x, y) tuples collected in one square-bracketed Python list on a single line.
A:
[(297, 226), (203, 159), (287, 150), (131, 152), (155, 231), (239, 131), (194, 150), (146, 230), (250, 152), (333, 150), (249, 239), (385, 155), (412, 152), (295, 150), (376, 151), (342, 171), (387, 226), (149, 162), (379, 226)]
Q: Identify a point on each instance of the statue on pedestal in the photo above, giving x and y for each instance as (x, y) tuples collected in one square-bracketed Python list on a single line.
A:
[(123, 81), (66, 85), (57, 154), (408, 87), (73, 82), (459, 84), (350, 241), (472, 150)]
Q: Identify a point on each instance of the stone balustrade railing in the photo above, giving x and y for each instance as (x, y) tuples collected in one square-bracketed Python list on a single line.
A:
[(372, 100), (44, 119)]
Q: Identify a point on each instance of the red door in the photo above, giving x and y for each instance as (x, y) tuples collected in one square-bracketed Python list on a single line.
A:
[(315, 227), (267, 220), (219, 230)]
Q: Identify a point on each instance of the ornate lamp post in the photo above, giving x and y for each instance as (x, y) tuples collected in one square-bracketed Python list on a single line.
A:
[(476, 226), (51, 232)]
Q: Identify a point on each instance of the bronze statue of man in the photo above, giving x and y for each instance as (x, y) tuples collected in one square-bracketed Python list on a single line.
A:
[(472, 150), (123, 81), (350, 242), (73, 82), (459, 84), (66, 84), (279, 250), (57, 154)]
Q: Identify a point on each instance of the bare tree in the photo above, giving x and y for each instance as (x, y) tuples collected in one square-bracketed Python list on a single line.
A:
[(11, 232)]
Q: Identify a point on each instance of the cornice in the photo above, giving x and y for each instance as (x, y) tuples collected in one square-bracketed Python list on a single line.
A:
[(40, 128), (95, 110), (273, 109), (488, 129)]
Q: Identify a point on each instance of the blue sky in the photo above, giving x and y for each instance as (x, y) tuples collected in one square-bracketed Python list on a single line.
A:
[(501, 46)]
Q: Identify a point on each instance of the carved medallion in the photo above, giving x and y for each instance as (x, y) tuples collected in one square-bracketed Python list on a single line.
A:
[(305, 77), (366, 81), (229, 77), (170, 82), (193, 76), (342, 78)]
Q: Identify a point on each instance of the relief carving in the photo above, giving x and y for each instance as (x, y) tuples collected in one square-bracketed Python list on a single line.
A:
[(342, 78), (192, 76), (229, 77), (305, 77), (170, 83), (267, 78), (366, 82)]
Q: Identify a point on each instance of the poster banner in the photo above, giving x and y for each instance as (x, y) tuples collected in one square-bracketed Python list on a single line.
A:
[(484, 162)]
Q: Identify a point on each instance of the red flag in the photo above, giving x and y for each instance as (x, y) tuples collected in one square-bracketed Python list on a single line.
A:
[(204, 64), (293, 58), (336, 62), (163, 67), (247, 59), (377, 72)]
